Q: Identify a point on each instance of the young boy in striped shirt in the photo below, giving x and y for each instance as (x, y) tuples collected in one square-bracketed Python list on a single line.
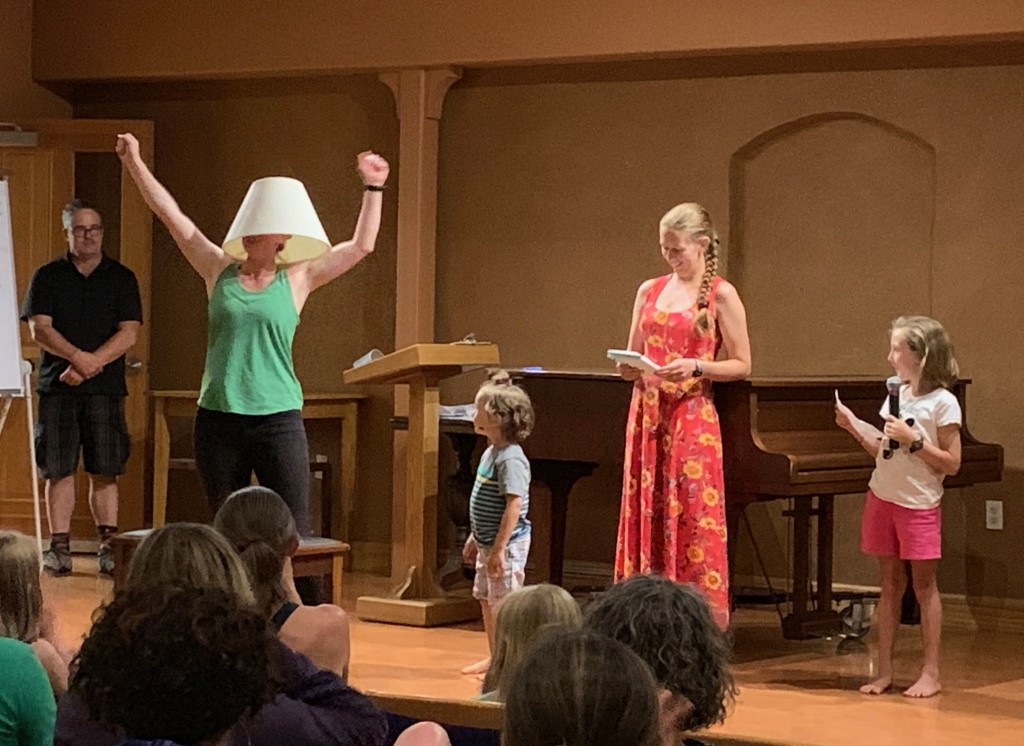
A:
[(500, 538)]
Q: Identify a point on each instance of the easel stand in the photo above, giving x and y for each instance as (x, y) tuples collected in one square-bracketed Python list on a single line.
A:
[(8, 400)]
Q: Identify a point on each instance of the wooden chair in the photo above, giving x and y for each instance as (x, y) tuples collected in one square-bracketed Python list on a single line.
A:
[(315, 557)]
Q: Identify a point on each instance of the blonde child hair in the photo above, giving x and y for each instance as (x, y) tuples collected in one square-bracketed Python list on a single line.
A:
[(928, 340), (521, 617), (503, 398), (190, 555), (21, 595), (691, 218)]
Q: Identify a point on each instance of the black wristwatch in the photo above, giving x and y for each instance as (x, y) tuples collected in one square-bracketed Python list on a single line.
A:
[(697, 370), (916, 446)]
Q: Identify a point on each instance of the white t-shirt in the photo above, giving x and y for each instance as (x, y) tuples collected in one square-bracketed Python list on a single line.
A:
[(905, 479)]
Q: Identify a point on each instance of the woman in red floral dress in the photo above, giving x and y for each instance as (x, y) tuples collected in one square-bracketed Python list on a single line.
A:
[(672, 520)]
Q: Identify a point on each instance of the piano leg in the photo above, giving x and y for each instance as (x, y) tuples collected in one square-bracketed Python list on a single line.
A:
[(824, 590), (801, 515), (802, 622), (559, 476), (910, 612)]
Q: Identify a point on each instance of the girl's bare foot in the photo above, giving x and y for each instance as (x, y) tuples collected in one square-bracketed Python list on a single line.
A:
[(478, 668), (878, 686), (926, 686)]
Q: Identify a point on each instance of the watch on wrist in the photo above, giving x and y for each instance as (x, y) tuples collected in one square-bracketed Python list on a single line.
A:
[(917, 445), (698, 371)]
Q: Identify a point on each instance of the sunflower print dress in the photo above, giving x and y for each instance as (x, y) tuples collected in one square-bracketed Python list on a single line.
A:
[(672, 517)]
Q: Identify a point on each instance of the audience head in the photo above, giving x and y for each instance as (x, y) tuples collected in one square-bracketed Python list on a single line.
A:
[(424, 733), (190, 555), (260, 526), (507, 405), (21, 595), (671, 628), (578, 688), (176, 664), (521, 617)]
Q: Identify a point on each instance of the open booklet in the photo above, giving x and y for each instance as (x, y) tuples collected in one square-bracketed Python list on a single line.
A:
[(633, 359)]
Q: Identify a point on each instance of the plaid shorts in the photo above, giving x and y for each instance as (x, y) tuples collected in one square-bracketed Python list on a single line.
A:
[(92, 423), (494, 590)]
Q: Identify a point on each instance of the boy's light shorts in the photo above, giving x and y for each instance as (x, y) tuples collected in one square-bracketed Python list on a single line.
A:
[(493, 590)]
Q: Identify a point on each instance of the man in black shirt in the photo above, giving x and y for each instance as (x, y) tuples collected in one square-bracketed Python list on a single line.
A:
[(84, 310)]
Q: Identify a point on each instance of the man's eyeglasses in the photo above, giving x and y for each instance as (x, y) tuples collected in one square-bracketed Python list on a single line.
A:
[(81, 231)]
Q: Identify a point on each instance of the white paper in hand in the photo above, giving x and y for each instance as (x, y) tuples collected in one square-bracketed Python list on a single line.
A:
[(633, 359)]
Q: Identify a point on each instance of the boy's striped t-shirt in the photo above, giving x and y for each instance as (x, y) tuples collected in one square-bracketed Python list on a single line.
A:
[(503, 470)]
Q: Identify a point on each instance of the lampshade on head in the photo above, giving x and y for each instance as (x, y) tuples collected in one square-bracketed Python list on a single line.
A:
[(278, 205)]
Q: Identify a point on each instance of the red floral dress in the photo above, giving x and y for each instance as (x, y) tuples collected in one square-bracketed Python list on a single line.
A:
[(672, 520)]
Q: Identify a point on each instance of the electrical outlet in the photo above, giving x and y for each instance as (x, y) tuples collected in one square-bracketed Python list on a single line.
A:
[(320, 458), (994, 515)]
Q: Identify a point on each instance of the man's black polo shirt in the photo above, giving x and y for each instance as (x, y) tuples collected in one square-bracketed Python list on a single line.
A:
[(86, 311)]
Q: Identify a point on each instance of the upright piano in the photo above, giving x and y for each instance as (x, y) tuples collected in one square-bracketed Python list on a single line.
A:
[(780, 441)]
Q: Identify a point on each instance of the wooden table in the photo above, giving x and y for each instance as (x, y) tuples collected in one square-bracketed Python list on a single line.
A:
[(343, 407)]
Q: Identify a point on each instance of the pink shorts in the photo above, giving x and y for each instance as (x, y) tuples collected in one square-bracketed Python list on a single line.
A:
[(891, 530)]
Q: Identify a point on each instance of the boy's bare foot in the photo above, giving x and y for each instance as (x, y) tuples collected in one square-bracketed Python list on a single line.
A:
[(926, 686), (878, 686), (478, 668)]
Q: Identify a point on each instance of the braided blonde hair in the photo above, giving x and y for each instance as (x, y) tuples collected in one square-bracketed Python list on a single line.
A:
[(691, 218)]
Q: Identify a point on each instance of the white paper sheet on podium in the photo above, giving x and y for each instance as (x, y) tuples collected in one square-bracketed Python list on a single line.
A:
[(464, 412)]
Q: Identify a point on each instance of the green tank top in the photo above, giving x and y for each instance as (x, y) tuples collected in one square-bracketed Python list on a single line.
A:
[(249, 347)]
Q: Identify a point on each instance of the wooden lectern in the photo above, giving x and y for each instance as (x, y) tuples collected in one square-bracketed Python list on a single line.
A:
[(418, 600)]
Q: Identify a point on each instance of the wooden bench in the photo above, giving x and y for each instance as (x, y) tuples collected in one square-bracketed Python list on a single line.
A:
[(315, 557)]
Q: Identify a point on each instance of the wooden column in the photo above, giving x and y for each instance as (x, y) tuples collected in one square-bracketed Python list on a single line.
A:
[(419, 97)]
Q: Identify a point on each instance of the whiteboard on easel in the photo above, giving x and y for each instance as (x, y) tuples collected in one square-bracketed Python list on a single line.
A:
[(12, 383)]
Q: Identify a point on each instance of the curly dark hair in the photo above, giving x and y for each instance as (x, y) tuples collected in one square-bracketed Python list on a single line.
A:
[(670, 626), (182, 664)]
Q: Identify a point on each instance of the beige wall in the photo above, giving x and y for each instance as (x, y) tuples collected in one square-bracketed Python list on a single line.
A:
[(20, 97), (549, 201), (148, 40)]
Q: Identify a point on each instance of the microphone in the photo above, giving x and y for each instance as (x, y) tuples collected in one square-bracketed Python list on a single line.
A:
[(892, 385)]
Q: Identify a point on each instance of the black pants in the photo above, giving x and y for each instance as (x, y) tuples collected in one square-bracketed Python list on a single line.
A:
[(231, 447)]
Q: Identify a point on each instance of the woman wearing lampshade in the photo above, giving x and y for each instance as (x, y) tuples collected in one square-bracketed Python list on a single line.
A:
[(275, 254)]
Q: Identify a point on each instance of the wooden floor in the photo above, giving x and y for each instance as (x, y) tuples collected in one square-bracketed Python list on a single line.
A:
[(791, 692)]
